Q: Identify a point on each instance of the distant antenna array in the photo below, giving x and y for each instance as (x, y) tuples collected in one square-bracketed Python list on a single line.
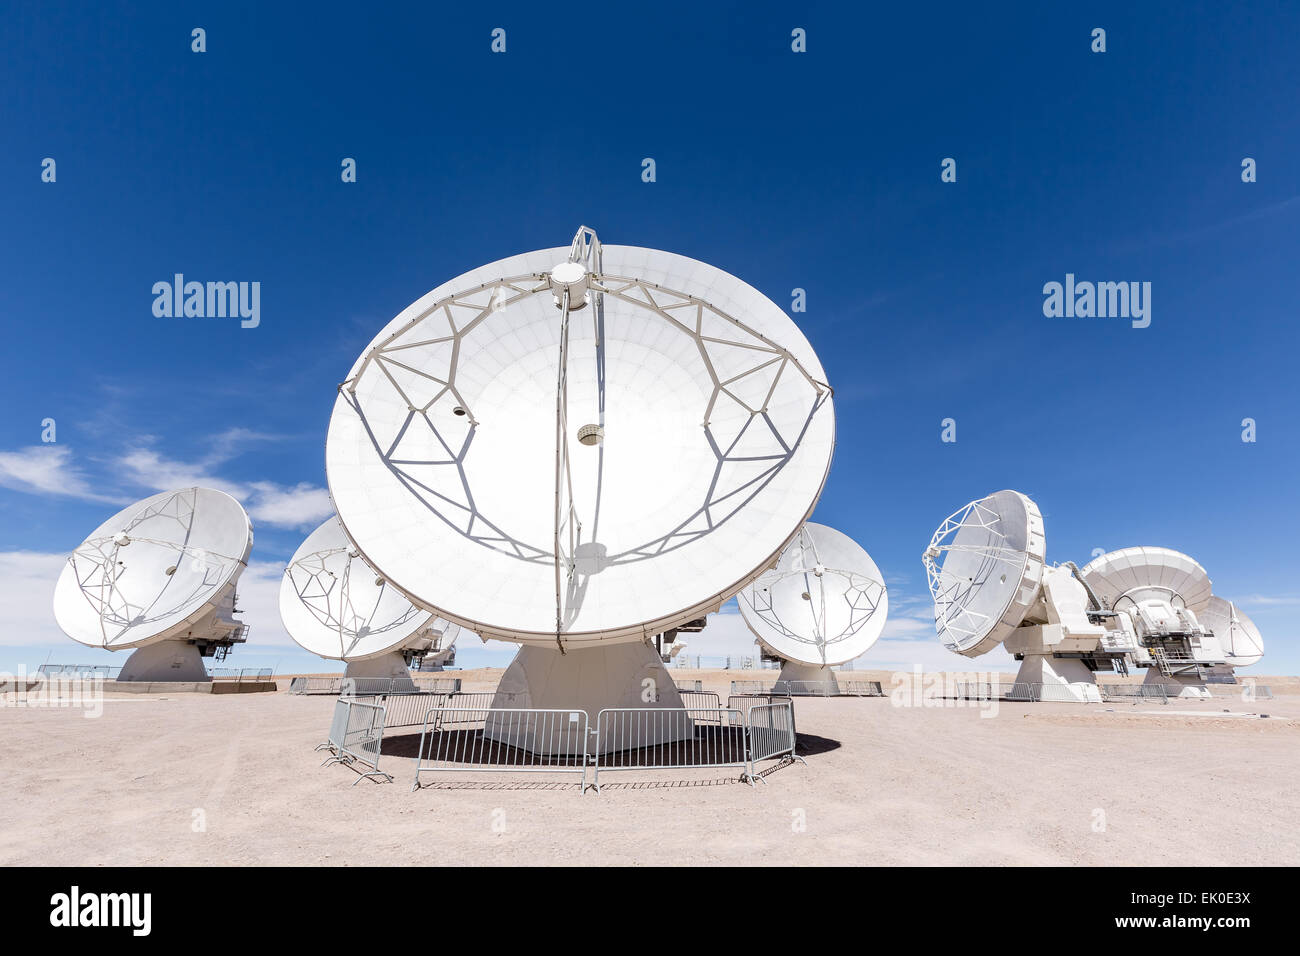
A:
[(991, 586)]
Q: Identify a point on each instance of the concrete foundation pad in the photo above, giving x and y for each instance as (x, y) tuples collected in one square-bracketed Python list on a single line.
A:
[(191, 687)]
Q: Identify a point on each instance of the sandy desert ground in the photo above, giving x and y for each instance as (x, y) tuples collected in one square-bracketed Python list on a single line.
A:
[(208, 779)]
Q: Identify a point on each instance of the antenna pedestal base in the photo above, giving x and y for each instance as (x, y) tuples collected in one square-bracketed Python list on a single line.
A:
[(390, 666), (588, 679), (1178, 685), (1062, 678), (806, 680), (166, 661)]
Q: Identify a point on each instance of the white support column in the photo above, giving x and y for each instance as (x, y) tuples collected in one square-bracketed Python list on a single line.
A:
[(588, 679), (166, 661)]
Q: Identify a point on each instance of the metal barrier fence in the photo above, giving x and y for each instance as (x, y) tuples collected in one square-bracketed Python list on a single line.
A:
[(806, 688), (486, 739), (750, 687), (700, 700), (743, 703), (406, 710), (357, 737), (458, 736), (79, 670), (688, 685), (1022, 692), (1122, 691), (372, 686), (657, 738), (771, 732), (241, 673), (861, 688)]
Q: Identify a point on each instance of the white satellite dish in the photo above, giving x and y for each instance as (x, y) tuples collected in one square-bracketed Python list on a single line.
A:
[(1239, 638), (987, 570), (159, 578), (581, 448), (1158, 595), (335, 605), (824, 604)]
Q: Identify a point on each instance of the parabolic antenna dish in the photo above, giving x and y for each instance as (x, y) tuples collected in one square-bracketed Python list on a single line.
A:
[(580, 444), (1130, 575), (336, 606), (153, 569), (1238, 636), (824, 603), (985, 566)]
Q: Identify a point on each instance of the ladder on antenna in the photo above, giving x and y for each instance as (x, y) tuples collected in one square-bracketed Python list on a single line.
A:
[(1162, 660)]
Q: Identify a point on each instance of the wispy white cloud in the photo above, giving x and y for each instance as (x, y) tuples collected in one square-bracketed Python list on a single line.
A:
[(49, 470), (1269, 600), (54, 471), (300, 506), (146, 468)]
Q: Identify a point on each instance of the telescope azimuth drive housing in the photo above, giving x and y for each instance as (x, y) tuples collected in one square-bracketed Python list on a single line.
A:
[(825, 603), (988, 576), (159, 578), (577, 449), (336, 606)]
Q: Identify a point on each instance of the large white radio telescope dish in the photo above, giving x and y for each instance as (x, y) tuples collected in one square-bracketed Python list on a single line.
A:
[(336, 606), (824, 603), (581, 445), (1238, 636), (1131, 575), (161, 570), (985, 565)]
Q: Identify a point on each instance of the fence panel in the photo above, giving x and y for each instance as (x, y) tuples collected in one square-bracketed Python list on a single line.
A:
[(743, 703), (701, 700), (861, 688), (338, 726), (1022, 692), (406, 710), (688, 685), (239, 674), (104, 671), (361, 737), (1122, 691), (771, 731), (806, 688), (657, 738), (488, 739)]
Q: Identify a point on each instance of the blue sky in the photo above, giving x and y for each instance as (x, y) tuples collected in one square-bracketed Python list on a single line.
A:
[(818, 170)]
